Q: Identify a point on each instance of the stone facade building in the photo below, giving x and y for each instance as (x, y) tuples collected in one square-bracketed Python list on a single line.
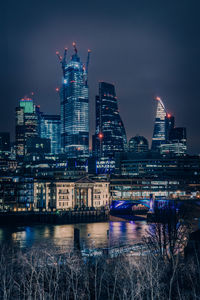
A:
[(71, 194)]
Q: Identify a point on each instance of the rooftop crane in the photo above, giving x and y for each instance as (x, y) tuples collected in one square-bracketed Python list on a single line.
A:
[(75, 49), (62, 59), (88, 60)]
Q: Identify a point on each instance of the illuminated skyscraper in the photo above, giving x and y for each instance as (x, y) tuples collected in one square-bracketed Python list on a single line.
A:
[(178, 134), (167, 139), (26, 124), (159, 133), (169, 126), (110, 135), (176, 143), (49, 128), (74, 106)]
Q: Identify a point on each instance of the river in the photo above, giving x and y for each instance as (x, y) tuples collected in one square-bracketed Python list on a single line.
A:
[(92, 235), (115, 232)]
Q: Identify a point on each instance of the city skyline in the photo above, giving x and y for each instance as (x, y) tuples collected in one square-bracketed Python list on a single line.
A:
[(100, 149), (147, 56), (161, 114)]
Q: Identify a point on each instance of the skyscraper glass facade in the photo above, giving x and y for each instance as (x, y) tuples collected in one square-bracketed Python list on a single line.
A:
[(110, 136), (75, 109), (159, 133), (176, 143), (167, 139), (169, 125), (27, 104), (26, 124), (49, 128)]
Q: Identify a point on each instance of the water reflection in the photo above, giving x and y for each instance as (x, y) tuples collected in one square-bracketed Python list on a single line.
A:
[(92, 235)]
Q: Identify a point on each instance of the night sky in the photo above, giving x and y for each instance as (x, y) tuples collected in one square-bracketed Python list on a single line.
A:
[(147, 48)]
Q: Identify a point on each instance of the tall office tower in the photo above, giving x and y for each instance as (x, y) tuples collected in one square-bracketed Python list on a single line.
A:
[(74, 106), (175, 140), (178, 138), (110, 135), (49, 128), (138, 144), (26, 124), (169, 125), (178, 134), (176, 144), (159, 133)]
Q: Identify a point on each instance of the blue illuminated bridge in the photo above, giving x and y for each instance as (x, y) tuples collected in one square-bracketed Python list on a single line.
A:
[(131, 205)]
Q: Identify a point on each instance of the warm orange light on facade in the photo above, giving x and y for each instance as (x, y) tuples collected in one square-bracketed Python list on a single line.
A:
[(100, 135)]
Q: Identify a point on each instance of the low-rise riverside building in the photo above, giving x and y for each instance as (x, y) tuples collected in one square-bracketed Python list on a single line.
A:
[(16, 193), (65, 194), (135, 188), (154, 165)]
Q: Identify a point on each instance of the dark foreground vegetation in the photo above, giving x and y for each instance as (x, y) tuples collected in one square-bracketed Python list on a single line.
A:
[(40, 275), (162, 271)]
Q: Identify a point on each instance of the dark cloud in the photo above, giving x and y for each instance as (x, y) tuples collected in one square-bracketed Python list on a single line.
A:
[(146, 48)]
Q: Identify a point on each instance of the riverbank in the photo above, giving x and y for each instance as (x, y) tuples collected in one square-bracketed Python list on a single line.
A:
[(59, 217)]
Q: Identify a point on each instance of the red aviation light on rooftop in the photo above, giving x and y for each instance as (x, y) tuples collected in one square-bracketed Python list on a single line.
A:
[(100, 135), (169, 115), (158, 98), (57, 89)]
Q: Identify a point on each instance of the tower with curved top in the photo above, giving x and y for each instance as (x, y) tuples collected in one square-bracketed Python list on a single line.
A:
[(110, 135), (159, 132)]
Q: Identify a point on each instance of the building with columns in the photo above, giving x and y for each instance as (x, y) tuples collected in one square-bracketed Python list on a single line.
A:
[(64, 194)]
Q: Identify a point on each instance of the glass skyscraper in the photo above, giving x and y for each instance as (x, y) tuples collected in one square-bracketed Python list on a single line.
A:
[(49, 128), (26, 124), (75, 107), (159, 133), (110, 135), (167, 139)]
